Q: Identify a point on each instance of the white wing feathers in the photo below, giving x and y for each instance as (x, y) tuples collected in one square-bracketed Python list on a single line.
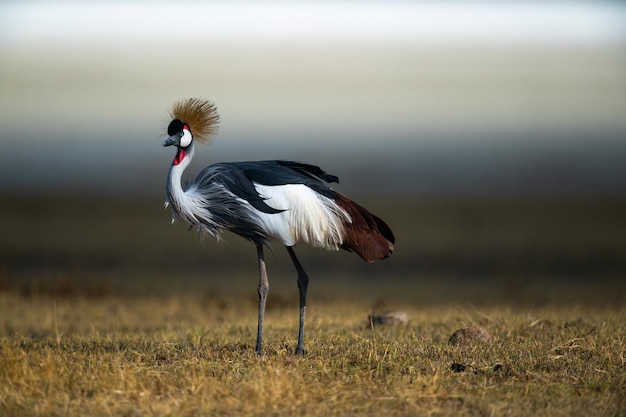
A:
[(308, 217)]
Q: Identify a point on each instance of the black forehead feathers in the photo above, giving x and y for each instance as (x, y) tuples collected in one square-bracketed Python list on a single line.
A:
[(176, 126)]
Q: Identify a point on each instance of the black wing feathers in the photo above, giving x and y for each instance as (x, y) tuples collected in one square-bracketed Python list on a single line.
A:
[(239, 178), (289, 172), (238, 183), (310, 171)]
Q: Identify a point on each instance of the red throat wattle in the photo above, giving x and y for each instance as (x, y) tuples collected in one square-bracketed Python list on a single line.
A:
[(180, 155)]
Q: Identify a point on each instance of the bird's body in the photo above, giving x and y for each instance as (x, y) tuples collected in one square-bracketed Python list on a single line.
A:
[(288, 201), (284, 200)]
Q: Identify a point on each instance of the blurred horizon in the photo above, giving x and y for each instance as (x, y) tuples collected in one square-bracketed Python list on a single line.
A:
[(431, 98), (491, 136)]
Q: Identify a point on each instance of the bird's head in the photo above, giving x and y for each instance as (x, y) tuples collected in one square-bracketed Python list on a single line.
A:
[(192, 119), (179, 134)]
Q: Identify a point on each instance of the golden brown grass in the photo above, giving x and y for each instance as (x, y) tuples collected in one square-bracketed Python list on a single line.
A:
[(107, 309), (188, 356)]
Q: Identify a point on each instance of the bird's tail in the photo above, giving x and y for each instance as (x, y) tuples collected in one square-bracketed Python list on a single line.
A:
[(367, 235)]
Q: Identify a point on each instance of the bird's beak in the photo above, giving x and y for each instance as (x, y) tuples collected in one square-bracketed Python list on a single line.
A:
[(172, 140)]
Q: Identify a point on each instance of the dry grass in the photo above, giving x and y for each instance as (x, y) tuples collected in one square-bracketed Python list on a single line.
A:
[(107, 309), (187, 356)]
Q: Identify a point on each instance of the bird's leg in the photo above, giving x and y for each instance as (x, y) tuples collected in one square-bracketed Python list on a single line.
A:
[(263, 289), (303, 284)]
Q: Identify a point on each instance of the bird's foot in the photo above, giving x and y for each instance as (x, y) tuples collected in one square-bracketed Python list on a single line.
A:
[(300, 351)]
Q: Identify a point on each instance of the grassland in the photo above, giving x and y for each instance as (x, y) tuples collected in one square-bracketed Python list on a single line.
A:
[(186, 357), (128, 315)]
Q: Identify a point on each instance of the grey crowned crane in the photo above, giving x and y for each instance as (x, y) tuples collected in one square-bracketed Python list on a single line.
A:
[(283, 200)]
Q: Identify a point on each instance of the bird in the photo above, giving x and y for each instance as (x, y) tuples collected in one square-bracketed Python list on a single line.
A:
[(262, 201)]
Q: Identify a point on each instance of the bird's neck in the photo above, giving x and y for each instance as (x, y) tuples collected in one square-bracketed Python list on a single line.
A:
[(175, 191)]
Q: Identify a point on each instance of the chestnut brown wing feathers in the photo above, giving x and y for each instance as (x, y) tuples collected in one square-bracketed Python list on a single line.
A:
[(367, 235)]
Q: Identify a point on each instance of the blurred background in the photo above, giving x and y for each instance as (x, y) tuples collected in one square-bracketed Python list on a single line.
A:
[(490, 135)]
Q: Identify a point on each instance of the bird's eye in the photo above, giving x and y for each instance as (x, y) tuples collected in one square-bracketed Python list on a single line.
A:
[(181, 133)]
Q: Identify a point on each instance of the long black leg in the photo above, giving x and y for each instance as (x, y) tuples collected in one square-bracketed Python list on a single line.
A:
[(263, 289), (303, 284)]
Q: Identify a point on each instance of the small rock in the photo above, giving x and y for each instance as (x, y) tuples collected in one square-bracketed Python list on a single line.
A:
[(470, 335), (389, 318), (458, 367)]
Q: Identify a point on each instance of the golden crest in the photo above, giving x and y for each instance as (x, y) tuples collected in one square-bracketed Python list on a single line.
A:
[(200, 115)]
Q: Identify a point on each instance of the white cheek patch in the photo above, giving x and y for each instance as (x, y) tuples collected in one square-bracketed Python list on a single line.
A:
[(186, 139)]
